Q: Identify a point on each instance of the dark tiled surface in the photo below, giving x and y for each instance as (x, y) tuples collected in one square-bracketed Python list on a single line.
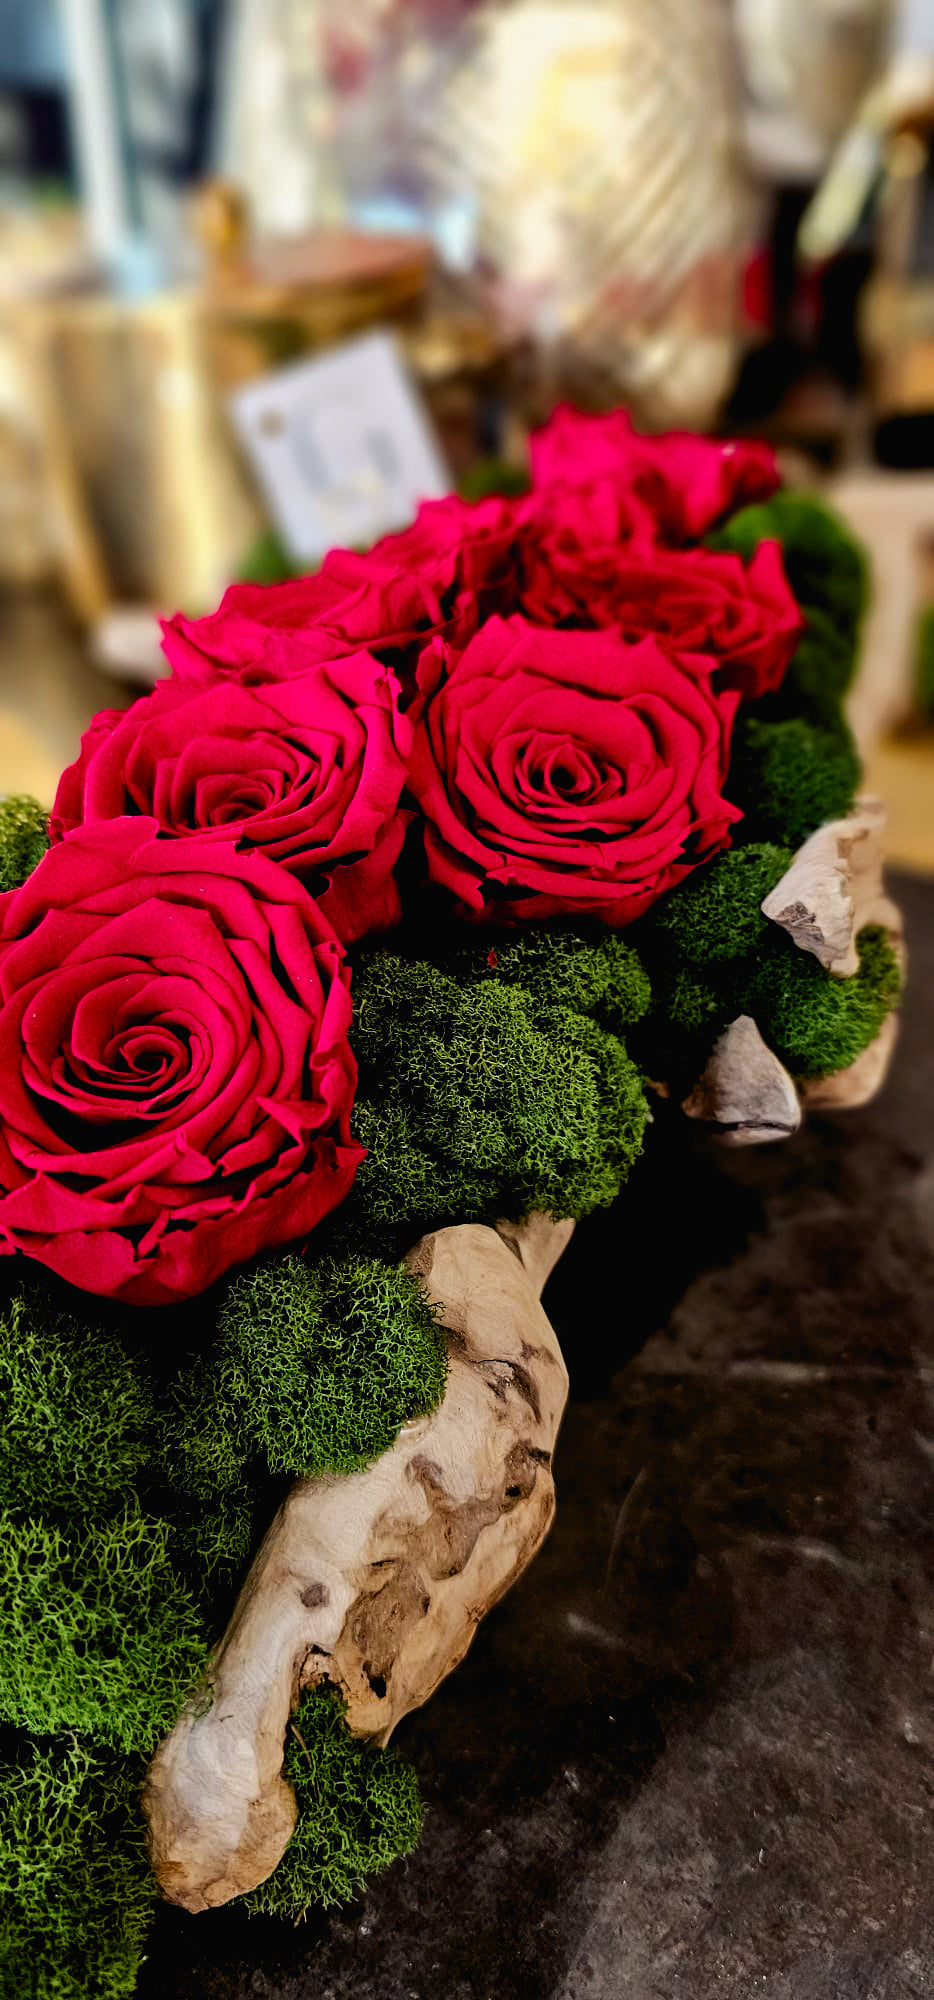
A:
[(692, 1754)]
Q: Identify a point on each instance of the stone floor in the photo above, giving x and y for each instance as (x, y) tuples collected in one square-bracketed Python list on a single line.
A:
[(692, 1754)]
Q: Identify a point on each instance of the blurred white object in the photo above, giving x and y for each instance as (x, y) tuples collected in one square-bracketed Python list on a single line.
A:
[(97, 133), (892, 513), (906, 87), (806, 69), (341, 446), (127, 643), (589, 144)]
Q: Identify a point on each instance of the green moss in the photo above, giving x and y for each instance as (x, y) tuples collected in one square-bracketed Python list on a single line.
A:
[(825, 566), (97, 1633), (790, 776), (75, 1416), (820, 672), (716, 914), (815, 1023), (492, 476), (359, 1810), (24, 837), (204, 1449), (213, 1544), (321, 1364), (477, 1099), (267, 560), (76, 1893), (588, 973)]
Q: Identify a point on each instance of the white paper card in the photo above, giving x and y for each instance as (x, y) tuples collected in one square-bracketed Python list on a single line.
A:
[(341, 446)]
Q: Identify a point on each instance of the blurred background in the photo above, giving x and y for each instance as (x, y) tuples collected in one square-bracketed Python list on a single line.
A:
[(272, 269)]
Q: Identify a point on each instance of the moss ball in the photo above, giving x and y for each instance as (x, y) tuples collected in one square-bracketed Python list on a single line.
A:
[(595, 972), (815, 1023), (322, 1364), (820, 672), (359, 1809), (790, 776), (75, 1414), (486, 1101), (24, 837), (716, 914), (97, 1632), (76, 1890)]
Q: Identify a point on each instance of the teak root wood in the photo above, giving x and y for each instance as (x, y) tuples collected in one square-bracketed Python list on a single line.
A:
[(376, 1582)]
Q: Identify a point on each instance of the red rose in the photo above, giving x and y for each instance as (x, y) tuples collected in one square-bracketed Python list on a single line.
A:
[(175, 1076), (308, 771), (272, 632), (564, 772), (468, 554), (685, 483), (743, 617)]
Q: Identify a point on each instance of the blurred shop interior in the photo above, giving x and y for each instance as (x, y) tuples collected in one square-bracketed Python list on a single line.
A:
[(232, 229)]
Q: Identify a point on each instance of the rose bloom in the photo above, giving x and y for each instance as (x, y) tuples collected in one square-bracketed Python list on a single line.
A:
[(692, 601), (274, 632), (307, 770), (175, 1075), (566, 772), (686, 484)]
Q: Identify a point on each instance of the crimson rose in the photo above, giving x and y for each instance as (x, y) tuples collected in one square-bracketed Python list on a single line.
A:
[(684, 484), (272, 632), (742, 615), (308, 770), (175, 1076), (564, 772)]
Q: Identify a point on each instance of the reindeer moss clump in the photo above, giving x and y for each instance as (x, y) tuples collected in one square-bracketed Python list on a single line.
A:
[(359, 1810), (790, 776), (24, 837), (817, 1024), (717, 913), (97, 1633), (317, 1366), (479, 1097), (75, 1415), (76, 1893), (587, 972)]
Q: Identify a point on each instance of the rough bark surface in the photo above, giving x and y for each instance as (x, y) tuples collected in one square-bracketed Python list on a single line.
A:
[(745, 1092), (376, 1582), (834, 887)]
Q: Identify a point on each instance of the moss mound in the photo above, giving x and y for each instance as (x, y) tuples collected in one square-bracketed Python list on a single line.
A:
[(790, 776), (359, 1810), (479, 1098), (75, 1415), (716, 915), (97, 1633), (318, 1366), (815, 1023), (24, 837), (76, 1894)]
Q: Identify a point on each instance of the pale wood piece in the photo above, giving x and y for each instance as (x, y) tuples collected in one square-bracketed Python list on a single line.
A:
[(834, 887), (848, 1089), (376, 1582), (745, 1092)]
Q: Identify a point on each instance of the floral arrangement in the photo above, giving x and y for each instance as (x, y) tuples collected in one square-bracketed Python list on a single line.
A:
[(386, 911)]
